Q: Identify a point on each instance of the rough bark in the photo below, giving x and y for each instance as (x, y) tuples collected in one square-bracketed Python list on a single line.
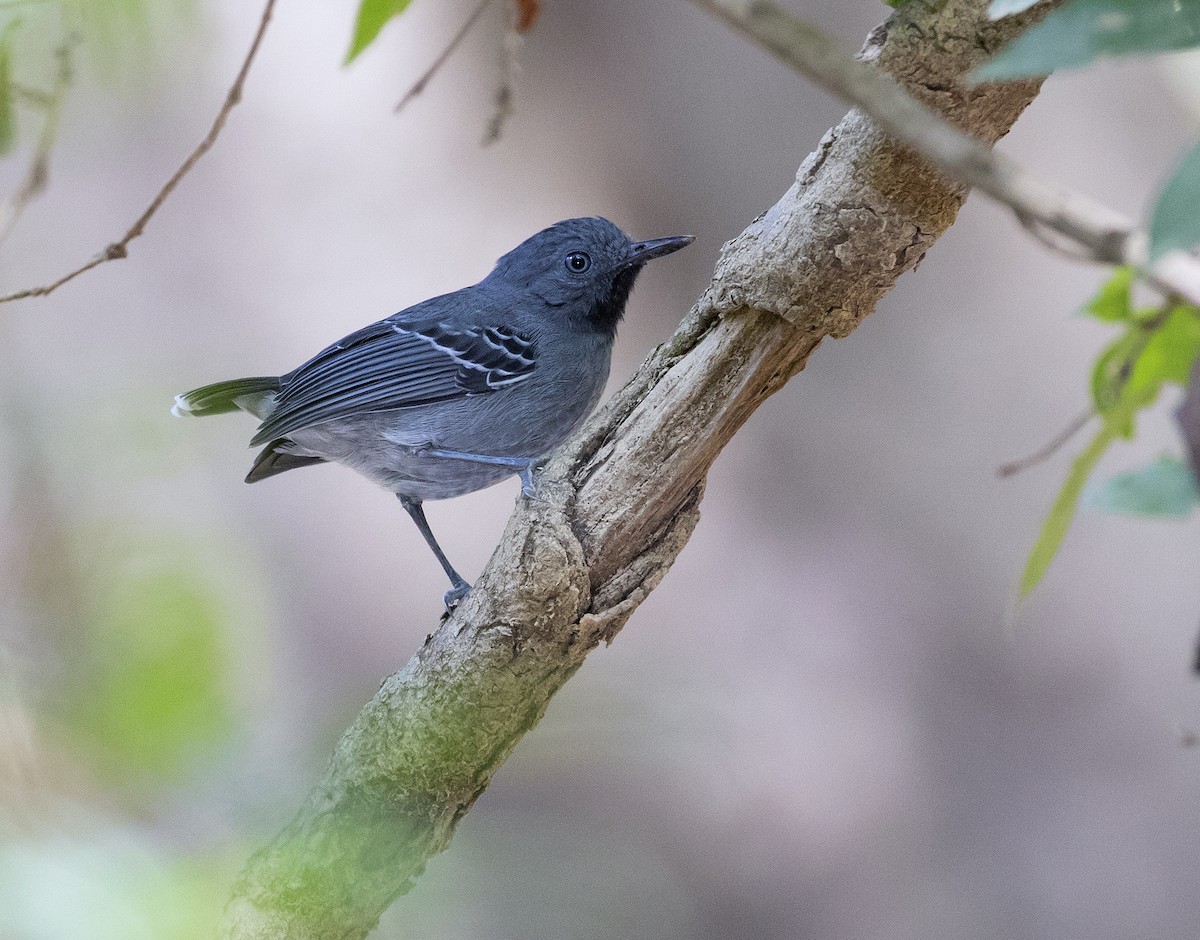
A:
[(618, 502)]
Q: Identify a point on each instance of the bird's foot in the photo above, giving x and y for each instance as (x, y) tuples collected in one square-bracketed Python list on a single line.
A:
[(453, 597), (527, 481)]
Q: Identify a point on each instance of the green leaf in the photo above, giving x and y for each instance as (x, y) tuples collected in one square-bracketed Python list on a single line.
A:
[(1175, 222), (372, 16), (1133, 368), (1112, 302), (1167, 356), (1054, 529), (1164, 488), (1002, 8), (1082, 31)]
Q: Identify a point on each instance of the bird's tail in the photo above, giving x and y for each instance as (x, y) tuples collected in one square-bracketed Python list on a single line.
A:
[(250, 395)]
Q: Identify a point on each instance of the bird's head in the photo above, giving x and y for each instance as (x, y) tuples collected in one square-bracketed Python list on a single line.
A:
[(583, 267)]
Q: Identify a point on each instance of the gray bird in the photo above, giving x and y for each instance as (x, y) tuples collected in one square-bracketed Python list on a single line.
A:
[(460, 391)]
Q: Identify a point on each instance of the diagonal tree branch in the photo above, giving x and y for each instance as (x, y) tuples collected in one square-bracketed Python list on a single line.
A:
[(619, 501), (120, 248)]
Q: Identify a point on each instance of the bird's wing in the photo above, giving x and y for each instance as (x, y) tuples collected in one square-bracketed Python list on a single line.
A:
[(398, 364)]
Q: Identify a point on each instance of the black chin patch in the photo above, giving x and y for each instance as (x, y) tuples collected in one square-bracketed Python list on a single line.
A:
[(606, 313)]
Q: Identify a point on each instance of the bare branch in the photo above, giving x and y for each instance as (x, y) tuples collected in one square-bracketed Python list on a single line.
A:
[(617, 503), (120, 248), (1055, 241), (521, 16), (1048, 450), (1104, 235), (419, 85)]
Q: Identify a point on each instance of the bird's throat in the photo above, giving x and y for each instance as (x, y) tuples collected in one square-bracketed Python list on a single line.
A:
[(608, 309)]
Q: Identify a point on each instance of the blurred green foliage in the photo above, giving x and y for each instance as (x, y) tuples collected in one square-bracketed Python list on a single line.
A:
[(128, 621), (122, 41), (153, 688), (8, 107), (111, 884), (142, 696), (123, 38)]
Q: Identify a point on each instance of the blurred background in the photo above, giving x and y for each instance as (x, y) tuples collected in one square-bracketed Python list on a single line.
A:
[(825, 723)]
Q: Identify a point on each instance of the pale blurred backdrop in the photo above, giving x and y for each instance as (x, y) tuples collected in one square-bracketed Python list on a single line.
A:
[(824, 724)]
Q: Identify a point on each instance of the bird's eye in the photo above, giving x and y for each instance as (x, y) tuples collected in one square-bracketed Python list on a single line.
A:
[(578, 262)]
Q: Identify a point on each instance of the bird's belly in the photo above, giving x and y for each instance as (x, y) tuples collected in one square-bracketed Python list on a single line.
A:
[(399, 468), (388, 447)]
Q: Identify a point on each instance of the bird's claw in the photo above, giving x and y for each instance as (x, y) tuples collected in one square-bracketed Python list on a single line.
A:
[(527, 481), (453, 597)]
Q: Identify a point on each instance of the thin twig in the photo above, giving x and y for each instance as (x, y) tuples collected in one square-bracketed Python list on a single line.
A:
[(1050, 449), (34, 97), (39, 167), (1106, 236), (511, 46), (419, 85), (120, 248), (1053, 240)]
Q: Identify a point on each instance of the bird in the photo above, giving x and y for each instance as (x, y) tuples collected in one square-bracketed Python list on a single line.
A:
[(460, 391)]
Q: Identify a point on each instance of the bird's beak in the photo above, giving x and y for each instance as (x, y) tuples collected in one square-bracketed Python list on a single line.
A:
[(641, 252)]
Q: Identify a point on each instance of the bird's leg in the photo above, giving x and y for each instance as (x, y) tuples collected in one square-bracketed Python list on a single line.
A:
[(460, 588), (523, 465)]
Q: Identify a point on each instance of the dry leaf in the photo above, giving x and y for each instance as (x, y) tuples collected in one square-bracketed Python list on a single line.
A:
[(527, 14)]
